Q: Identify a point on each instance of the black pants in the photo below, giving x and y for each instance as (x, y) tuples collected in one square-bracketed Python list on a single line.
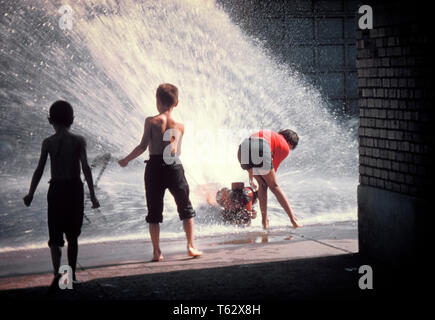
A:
[(160, 176), (65, 210)]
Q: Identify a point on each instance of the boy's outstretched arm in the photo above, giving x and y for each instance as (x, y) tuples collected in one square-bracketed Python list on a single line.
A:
[(141, 147), (88, 174), (37, 174), (251, 179)]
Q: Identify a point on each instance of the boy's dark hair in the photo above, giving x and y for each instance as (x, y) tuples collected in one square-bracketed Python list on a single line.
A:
[(167, 94), (290, 136), (61, 113)]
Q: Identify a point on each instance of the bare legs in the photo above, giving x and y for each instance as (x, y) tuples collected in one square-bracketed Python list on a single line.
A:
[(155, 237), (72, 252), (262, 197), (269, 181), (188, 229), (56, 255)]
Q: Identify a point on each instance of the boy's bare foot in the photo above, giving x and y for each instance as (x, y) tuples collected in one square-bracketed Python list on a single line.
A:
[(54, 286), (295, 224), (157, 256), (157, 259), (192, 252), (265, 223)]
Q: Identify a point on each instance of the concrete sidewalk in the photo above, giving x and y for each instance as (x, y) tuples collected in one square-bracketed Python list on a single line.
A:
[(295, 267), (273, 271), (235, 255)]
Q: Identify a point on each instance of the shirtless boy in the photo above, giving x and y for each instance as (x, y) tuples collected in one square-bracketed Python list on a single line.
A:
[(65, 194), (163, 135)]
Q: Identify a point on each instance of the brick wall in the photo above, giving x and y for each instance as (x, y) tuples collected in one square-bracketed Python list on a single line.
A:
[(315, 37), (395, 92)]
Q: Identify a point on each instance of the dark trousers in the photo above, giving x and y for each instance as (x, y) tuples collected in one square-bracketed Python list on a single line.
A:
[(160, 176)]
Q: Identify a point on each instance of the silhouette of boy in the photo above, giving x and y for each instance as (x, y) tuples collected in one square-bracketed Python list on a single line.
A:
[(65, 194), (162, 134)]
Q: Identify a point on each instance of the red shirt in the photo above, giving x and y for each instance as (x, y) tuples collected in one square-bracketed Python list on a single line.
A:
[(278, 145)]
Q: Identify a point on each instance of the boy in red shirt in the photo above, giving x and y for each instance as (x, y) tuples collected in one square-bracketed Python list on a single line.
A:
[(261, 154)]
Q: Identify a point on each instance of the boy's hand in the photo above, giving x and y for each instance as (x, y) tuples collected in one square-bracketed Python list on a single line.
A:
[(95, 202), (123, 163), (28, 200), (252, 183)]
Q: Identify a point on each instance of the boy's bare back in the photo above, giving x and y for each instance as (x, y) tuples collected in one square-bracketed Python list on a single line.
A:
[(65, 150), (67, 153), (160, 137)]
